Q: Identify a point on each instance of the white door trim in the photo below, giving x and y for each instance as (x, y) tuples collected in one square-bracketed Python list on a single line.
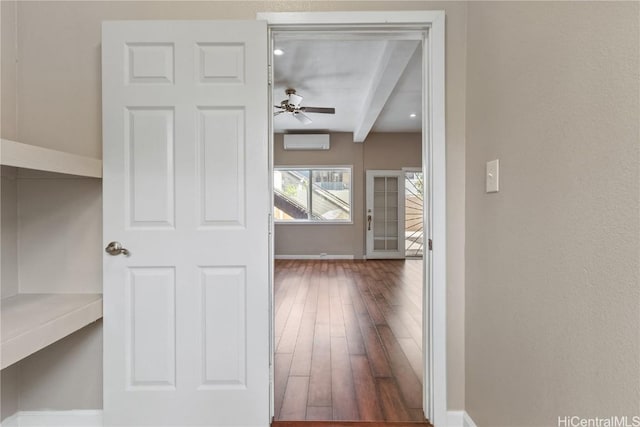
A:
[(434, 169)]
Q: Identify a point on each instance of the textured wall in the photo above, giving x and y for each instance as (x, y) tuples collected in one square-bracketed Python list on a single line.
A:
[(62, 376), (552, 295), (9, 391), (59, 212), (9, 233), (8, 81), (9, 378)]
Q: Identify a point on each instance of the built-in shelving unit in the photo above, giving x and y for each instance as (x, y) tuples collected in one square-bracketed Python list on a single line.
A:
[(36, 312), (27, 156), (31, 322)]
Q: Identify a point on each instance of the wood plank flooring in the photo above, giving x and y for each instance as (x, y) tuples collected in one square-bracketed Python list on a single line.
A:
[(348, 338), (351, 424)]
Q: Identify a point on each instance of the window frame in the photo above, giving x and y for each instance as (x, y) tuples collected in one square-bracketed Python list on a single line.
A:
[(311, 169)]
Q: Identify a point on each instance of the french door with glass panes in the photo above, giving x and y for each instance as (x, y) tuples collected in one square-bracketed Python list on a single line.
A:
[(384, 218)]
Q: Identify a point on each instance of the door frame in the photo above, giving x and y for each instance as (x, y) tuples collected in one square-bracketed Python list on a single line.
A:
[(433, 166)]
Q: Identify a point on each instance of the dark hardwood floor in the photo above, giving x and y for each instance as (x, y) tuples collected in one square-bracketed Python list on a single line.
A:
[(351, 424), (348, 340)]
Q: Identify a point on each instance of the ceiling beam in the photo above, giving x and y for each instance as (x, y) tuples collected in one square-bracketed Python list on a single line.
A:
[(394, 60)]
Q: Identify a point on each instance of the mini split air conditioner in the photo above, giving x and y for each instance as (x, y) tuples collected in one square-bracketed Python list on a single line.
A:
[(307, 141)]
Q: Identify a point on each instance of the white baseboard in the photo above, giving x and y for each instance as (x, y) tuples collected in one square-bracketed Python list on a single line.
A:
[(459, 419), (78, 418), (93, 418), (11, 421), (468, 421), (326, 256)]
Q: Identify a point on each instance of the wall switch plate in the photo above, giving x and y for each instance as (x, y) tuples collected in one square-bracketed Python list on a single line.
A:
[(493, 176)]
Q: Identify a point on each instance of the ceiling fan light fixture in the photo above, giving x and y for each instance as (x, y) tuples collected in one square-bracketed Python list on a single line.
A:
[(413, 115), (278, 52), (294, 100), (292, 105)]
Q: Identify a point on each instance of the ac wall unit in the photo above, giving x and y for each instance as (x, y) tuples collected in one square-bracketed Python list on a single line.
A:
[(307, 141)]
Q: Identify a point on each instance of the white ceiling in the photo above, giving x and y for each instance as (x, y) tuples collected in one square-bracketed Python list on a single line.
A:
[(373, 84)]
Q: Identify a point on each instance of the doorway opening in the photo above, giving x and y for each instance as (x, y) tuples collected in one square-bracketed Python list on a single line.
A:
[(348, 333)]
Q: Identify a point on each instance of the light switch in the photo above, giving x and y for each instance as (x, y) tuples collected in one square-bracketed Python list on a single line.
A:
[(493, 176)]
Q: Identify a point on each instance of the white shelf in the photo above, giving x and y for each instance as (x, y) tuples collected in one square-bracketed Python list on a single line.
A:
[(31, 322), (21, 155)]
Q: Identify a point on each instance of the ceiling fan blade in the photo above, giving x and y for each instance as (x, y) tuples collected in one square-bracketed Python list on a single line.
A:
[(318, 110), (302, 117)]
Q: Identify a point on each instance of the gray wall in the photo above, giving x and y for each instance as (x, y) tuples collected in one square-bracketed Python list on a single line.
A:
[(553, 301), (66, 375), (379, 151), (8, 69)]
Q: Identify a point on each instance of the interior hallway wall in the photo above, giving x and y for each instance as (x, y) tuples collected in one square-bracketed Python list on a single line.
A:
[(58, 85), (379, 151), (553, 259), (332, 239)]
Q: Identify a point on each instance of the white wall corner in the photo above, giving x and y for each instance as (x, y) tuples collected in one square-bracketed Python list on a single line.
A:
[(11, 421), (459, 419)]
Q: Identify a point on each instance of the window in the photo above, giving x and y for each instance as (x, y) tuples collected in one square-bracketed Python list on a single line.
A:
[(317, 195)]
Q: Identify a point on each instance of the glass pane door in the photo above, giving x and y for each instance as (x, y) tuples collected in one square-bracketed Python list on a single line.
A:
[(385, 207), (413, 223)]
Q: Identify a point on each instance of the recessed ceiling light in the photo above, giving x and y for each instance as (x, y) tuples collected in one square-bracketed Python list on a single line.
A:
[(278, 52), (412, 115)]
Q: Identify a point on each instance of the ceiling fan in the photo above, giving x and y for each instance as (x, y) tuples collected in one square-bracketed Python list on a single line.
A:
[(292, 105)]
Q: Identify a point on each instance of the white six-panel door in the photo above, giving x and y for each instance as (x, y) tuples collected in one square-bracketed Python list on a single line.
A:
[(186, 324)]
